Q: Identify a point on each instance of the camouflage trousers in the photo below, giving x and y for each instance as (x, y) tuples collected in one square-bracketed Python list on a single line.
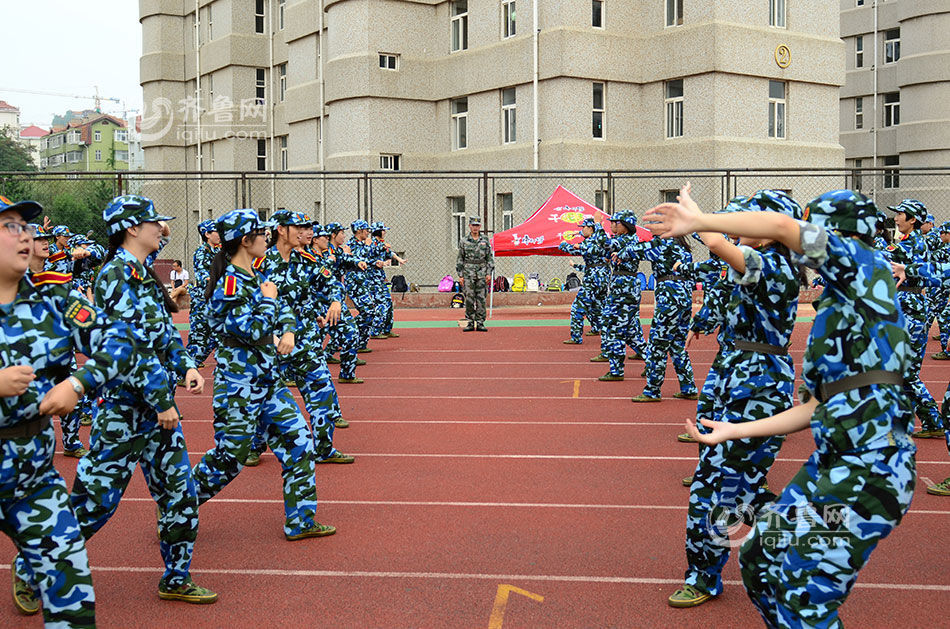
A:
[(70, 423), (238, 408), (125, 436), (620, 325), (35, 514), (914, 307), (943, 321), (587, 303), (343, 338), (674, 303), (936, 300), (805, 551), (366, 315), (315, 384), (706, 405), (384, 308), (475, 292), (201, 340)]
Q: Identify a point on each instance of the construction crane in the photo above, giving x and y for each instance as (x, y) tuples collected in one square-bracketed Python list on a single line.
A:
[(97, 98)]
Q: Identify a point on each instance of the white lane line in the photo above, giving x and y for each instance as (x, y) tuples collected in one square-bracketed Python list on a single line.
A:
[(461, 397), (486, 422), (462, 576)]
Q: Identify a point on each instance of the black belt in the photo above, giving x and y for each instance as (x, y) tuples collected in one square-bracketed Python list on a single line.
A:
[(672, 278), (910, 289), (230, 341), (761, 348), (623, 273), (878, 376), (26, 429)]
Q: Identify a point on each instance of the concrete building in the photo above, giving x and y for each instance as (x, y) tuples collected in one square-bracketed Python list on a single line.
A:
[(32, 136), (99, 143), (391, 85), (894, 109), (9, 118)]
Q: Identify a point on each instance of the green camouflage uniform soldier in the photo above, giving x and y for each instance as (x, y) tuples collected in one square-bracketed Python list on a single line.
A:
[(475, 266)]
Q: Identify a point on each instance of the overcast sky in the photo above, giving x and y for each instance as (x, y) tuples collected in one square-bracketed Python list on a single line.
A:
[(70, 46)]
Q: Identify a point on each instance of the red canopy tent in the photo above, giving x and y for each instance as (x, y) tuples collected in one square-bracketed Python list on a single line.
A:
[(555, 221)]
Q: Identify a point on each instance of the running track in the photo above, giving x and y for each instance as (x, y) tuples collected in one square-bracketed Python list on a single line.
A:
[(497, 483)]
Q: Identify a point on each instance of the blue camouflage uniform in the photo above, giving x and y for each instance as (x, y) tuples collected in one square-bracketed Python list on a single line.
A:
[(671, 316), (358, 287), (754, 380), (42, 328), (805, 551), (589, 298), (940, 303), (379, 251), (248, 388), (344, 336), (621, 313), (200, 340), (127, 432), (912, 249)]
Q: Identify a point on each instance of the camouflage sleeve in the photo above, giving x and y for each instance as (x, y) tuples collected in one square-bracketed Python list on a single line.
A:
[(180, 359), (347, 261), (489, 259), (460, 259), (931, 274), (249, 315), (202, 266), (107, 342), (754, 267), (814, 242)]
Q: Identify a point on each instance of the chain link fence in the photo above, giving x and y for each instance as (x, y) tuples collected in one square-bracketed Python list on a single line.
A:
[(426, 212)]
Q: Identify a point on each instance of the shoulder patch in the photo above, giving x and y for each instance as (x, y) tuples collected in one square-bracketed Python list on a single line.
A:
[(230, 286), (134, 272), (891, 247), (51, 277), (80, 314), (258, 262), (325, 272), (56, 257)]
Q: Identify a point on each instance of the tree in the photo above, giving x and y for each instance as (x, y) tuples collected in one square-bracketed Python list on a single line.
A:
[(13, 154)]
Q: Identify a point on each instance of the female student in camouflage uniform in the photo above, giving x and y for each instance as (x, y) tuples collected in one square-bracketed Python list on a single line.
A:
[(200, 340), (588, 300), (246, 314), (43, 323), (344, 336), (138, 422), (805, 551)]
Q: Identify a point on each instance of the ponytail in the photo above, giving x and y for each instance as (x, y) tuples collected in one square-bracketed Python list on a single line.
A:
[(220, 262), (115, 241)]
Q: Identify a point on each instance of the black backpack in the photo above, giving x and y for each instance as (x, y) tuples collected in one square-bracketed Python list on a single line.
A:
[(572, 281), (399, 284)]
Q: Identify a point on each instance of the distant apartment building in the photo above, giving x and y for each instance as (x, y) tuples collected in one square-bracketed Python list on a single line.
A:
[(99, 143), (9, 118), (32, 136), (894, 104)]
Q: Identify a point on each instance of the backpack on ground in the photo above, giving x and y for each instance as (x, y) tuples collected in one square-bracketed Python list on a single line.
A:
[(413, 288), (554, 285), (399, 284), (446, 284), (534, 283), (500, 285), (458, 300), (519, 283), (572, 282)]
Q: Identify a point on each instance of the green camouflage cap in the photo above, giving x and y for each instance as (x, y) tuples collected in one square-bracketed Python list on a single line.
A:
[(844, 211)]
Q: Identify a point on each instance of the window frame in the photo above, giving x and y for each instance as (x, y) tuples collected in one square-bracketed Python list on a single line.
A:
[(509, 116), (674, 108), (459, 26), (456, 207), (121, 135), (859, 51), (599, 114), (506, 201), (459, 124), (778, 123), (98, 155), (261, 155), (778, 12), (284, 156), (891, 176), (260, 86), (673, 12), (509, 23), (387, 57), (892, 46), (892, 110), (858, 113), (210, 15), (260, 13), (281, 82), (281, 7), (597, 14), (97, 135), (390, 161)]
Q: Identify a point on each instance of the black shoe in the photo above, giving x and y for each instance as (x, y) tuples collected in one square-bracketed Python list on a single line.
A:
[(470, 327), (481, 327)]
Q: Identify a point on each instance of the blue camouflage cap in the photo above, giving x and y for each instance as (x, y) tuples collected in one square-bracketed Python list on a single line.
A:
[(930, 219), (320, 230), (206, 227), (774, 201), (587, 222), (627, 217), (61, 230), (39, 232), (289, 217), (238, 223), (944, 227), (334, 227), (128, 211), (379, 226), (912, 208), (358, 225), (844, 211), (79, 241), (28, 209), (736, 204)]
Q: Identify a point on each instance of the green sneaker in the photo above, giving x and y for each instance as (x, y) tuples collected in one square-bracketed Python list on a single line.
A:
[(600, 358), (253, 459), (392, 335), (317, 530), (685, 438), (350, 380), (940, 489), (609, 377), (85, 419), (360, 362), (187, 592), (364, 350), (687, 481), (686, 396), (645, 398), (339, 422), (572, 342), (379, 336), (942, 355), (78, 453), (337, 457), (333, 361), (928, 434), (25, 598), (593, 333), (688, 596)]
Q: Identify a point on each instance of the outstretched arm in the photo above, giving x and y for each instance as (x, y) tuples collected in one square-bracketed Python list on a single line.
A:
[(794, 419)]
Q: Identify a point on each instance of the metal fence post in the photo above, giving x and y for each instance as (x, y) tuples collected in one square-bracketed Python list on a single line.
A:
[(610, 200), (485, 194), (243, 190)]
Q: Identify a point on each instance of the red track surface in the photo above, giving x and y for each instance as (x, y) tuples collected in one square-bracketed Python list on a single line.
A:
[(477, 467)]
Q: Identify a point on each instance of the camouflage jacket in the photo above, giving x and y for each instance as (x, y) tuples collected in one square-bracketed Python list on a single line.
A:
[(717, 289), (663, 254), (126, 290), (764, 302), (378, 251), (356, 278), (910, 249), (201, 262), (59, 261), (475, 257), (593, 249), (245, 323), (43, 327)]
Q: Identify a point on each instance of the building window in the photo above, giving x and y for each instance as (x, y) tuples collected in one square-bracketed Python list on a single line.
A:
[(73, 157), (210, 146), (892, 45), (262, 155), (597, 115), (284, 162), (856, 175), (777, 109), (597, 14), (859, 3), (98, 155), (97, 136), (281, 82), (44, 162), (674, 109), (121, 135), (459, 124), (777, 13), (388, 61), (669, 196), (674, 12), (601, 198), (260, 85), (259, 16), (508, 116), (210, 88), (121, 156), (507, 211), (508, 18), (44, 144), (73, 137), (859, 112), (457, 212), (388, 161), (892, 109), (859, 51), (210, 22), (892, 176), (459, 25), (281, 5)]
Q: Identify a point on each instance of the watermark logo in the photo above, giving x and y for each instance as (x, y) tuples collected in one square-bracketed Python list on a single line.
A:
[(807, 526), (190, 121)]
